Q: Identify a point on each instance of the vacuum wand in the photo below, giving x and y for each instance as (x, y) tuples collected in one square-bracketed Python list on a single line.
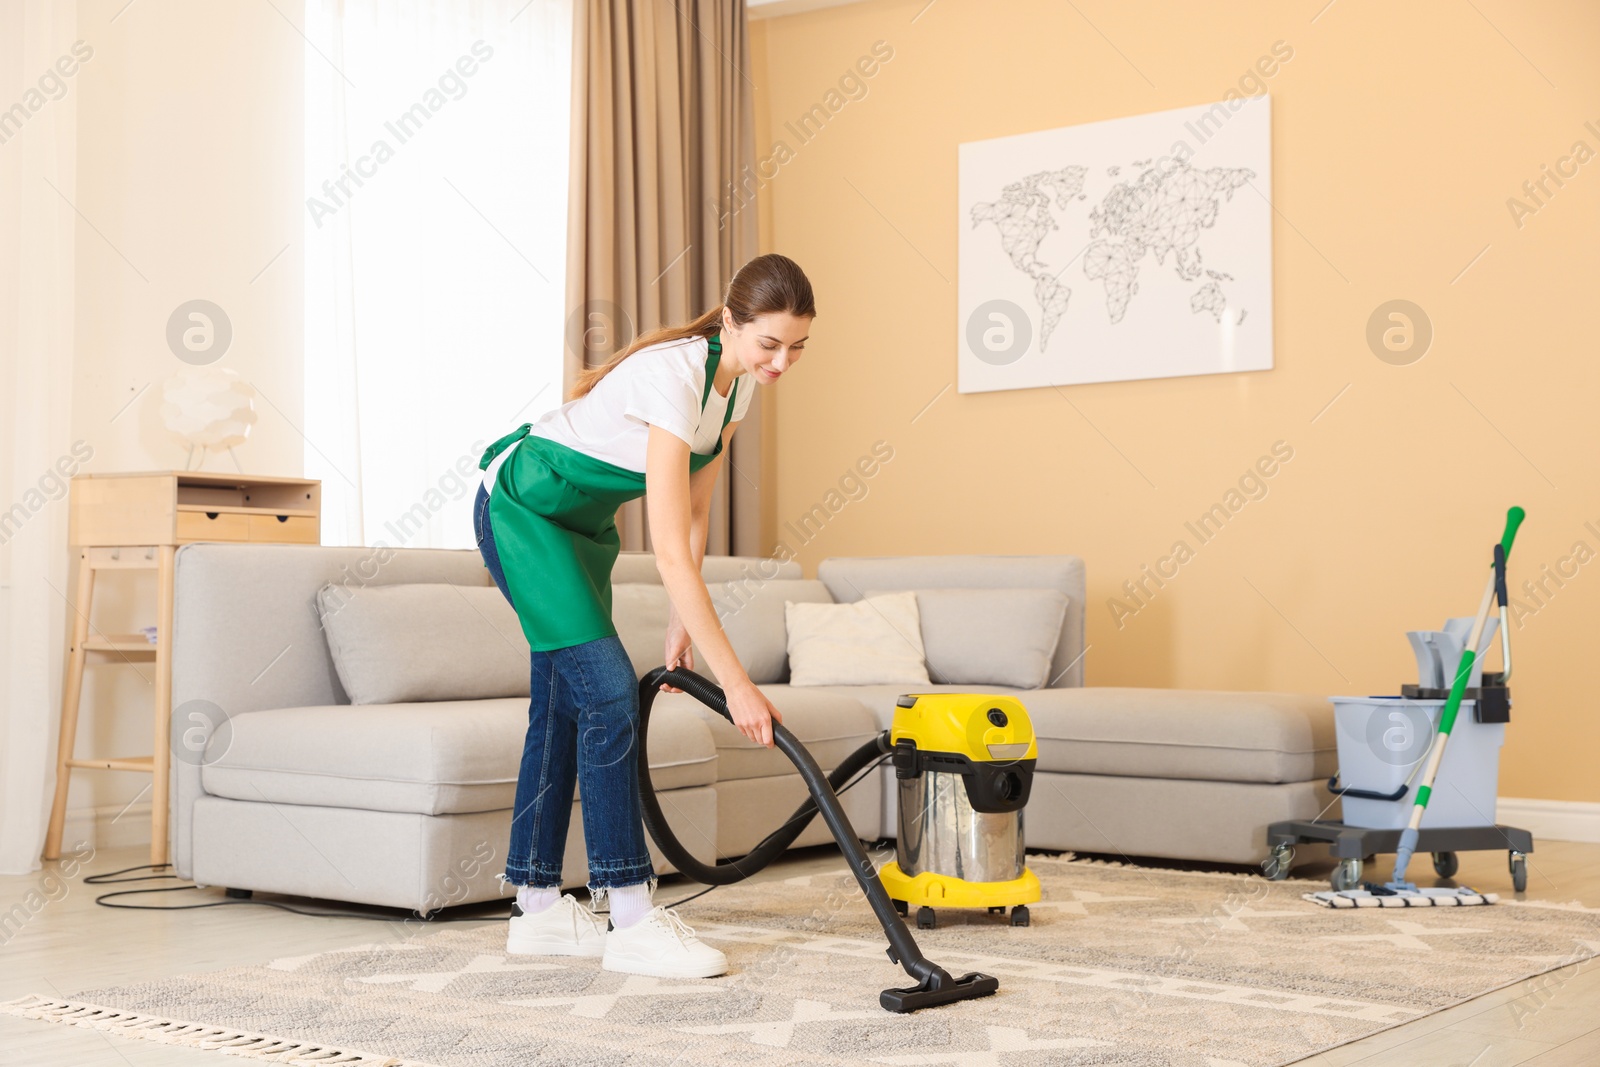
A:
[(935, 985)]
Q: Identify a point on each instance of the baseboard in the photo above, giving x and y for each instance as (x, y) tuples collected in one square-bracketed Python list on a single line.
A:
[(108, 826), (1553, 820)]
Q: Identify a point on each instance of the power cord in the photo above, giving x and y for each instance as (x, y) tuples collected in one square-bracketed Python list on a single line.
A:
[(110, 878), (113, 878)]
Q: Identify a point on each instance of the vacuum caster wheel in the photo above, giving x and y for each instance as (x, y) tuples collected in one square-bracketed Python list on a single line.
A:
[(901, 906), (1519, 871), (1346, 876), (1276, 866), (1019, 915), (1446, 864), (925, 918), (238, 894), (997, 911)]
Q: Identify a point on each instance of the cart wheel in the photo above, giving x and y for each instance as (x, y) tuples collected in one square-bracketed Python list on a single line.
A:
[(1346, 876), (1276, 867), (925, 918), (1446, 864), (901, 906), (1519, 871), (1019, 915)]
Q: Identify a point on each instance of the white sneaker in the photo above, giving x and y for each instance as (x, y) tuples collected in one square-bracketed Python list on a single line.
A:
[(661, 945), (565, 928)]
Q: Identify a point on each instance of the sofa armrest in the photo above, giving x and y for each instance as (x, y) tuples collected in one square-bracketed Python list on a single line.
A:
[(246, 636)]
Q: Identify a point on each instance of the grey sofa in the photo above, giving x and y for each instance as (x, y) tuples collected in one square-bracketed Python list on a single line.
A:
[(298, 791)]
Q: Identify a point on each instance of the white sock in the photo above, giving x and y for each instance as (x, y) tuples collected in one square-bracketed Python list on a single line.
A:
[(629, 903), (532, 900)]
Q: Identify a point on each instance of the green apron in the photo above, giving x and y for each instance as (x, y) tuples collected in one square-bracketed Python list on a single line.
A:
[(554, 514)]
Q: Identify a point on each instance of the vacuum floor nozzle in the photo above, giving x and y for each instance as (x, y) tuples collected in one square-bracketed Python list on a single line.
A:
[(935, 985), (939, 988)]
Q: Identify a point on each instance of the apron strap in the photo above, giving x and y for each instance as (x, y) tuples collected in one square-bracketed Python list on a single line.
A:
[(714, 343), (501, 445)]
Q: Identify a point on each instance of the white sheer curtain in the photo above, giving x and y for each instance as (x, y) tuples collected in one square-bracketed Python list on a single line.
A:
[(436, 192), (38, 168)]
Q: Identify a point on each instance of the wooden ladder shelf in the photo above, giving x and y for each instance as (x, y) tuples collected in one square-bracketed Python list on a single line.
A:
[(136, 522)]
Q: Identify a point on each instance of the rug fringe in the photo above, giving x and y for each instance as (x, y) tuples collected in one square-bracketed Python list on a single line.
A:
[(230, 1042)]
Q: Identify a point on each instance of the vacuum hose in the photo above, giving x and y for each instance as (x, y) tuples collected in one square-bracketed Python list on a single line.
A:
[(935, 985), (737, 870)]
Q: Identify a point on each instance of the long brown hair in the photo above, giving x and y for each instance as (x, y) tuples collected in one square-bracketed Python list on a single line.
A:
[(766, 285)]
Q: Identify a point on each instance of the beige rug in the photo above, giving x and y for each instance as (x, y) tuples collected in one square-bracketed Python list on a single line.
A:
[(1122, 966)]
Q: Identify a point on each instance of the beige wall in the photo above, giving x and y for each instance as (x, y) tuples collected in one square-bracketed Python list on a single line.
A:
[(1399, 134), (189, 177)]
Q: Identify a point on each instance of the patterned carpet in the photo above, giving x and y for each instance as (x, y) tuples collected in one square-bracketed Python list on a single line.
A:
[(1121, 966)]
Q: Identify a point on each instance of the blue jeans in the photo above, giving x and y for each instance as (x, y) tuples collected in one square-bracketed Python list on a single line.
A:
[(593, 686)]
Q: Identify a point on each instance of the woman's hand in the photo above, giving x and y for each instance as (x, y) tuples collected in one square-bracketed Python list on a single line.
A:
[(752, 712), (680, 652)]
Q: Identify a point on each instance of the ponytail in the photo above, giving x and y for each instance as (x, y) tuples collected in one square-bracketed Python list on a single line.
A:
[(764, 286)]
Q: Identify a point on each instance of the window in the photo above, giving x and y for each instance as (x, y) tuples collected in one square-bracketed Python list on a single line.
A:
[(436, 155)]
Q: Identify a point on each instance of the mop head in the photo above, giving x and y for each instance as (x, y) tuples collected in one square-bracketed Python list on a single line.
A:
[(1372, 895)]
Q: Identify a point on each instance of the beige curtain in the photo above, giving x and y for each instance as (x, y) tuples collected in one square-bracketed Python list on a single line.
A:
[(663, 127), (38, 228)]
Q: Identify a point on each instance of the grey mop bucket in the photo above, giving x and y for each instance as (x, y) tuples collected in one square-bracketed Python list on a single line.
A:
[(1382, 740)]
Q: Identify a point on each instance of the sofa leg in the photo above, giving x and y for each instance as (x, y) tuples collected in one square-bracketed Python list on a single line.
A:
[(238, 894)]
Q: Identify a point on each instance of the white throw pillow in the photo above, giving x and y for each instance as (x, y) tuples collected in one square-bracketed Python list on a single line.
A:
[(873, 641)]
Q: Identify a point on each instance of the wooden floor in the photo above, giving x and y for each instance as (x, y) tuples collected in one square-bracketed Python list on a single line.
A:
[(68, 945)]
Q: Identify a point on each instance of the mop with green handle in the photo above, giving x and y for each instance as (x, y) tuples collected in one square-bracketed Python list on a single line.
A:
[(1399, 893), (1447, 718)]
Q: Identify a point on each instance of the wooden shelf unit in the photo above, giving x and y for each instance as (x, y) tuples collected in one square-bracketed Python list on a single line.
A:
[(136, 521)]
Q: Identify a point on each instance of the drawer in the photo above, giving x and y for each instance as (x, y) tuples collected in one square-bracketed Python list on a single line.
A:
[(293, 529), (212, 526)]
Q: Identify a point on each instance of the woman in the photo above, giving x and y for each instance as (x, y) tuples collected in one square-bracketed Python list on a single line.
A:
[(657, 417)]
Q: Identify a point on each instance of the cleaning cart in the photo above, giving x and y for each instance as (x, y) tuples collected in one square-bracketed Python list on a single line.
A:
[(1420, 771)]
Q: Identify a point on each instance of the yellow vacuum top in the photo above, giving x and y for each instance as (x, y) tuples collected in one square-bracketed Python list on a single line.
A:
[(980, 726)]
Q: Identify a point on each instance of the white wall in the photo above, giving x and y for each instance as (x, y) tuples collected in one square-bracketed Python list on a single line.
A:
[(189, 156)]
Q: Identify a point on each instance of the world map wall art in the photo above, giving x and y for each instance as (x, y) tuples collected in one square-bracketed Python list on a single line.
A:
[(1132, 248)]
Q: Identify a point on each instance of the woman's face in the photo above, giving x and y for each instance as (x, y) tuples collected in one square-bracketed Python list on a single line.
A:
[(766, 346)]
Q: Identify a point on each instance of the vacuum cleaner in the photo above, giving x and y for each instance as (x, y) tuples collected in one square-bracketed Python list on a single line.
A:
[(964, 763)]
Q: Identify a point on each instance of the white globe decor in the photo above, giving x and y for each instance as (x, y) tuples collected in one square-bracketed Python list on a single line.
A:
[(209, 409)]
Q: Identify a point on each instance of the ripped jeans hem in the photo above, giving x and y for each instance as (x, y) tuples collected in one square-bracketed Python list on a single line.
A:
[(538, 877), (598, 894)]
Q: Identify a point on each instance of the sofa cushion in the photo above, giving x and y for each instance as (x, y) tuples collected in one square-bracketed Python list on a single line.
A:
[(989, 636), (1158, 733), (640, 612), (879, 700), (875, 640), (1184, 733), (427, 641), (847, 578), (435, 758), (830, 724), (752, 614), (641, 567)]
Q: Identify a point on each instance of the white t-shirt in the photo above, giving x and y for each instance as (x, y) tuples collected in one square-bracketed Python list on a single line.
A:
[(656, 386)]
